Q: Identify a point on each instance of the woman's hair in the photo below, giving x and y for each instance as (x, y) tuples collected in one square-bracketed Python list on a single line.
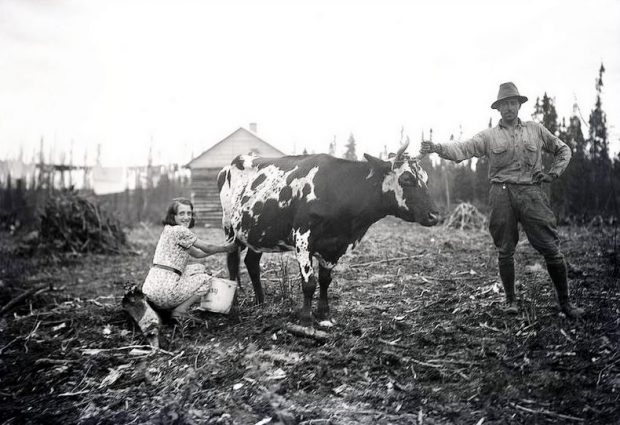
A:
[(173, 209)]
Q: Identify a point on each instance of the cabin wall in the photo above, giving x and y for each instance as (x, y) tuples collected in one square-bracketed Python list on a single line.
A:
[(206, 197)]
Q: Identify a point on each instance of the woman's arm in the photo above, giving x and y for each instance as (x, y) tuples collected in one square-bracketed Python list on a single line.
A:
[(202, 249)]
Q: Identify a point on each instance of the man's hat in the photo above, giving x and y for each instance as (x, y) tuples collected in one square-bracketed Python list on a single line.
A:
[(507, 90)]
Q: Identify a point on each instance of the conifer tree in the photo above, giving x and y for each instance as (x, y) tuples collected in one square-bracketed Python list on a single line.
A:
[(384, 153), (598, 143), (550, 116), (578, 170), (546, 113), (332, 147), (537, 115), (350, 149)]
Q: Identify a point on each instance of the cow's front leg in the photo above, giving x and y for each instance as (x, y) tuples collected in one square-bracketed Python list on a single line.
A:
[(252, 262), (325, 278), (307, 276)]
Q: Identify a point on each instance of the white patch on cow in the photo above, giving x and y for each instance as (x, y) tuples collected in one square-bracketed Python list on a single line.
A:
[(391, 183), (225, 198), (302, 254), (420, 174), (297, 186), (248, 160), (273, 182)]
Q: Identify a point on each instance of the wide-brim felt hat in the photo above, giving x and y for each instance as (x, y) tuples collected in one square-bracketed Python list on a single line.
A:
[(507, 90)]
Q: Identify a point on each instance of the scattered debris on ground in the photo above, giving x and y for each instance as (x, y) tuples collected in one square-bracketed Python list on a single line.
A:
[(418, 336)]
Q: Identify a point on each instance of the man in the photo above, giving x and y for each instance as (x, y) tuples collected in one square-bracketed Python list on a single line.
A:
[(514, 149)]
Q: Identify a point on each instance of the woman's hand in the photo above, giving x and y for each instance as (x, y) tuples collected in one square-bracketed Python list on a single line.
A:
[(202, 249)]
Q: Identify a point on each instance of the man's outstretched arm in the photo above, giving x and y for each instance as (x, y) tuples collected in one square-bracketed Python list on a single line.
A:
[(458, 151)]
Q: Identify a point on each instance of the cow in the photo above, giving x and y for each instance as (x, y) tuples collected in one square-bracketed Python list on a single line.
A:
[(318, 206)]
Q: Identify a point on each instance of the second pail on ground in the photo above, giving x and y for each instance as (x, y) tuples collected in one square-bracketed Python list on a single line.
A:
[(220, 297)]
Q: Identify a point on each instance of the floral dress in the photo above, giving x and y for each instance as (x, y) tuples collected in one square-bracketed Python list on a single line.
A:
[(163, 286)]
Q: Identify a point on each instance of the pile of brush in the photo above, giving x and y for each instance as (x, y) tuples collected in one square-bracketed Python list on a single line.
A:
[(466, 217), (71, 223)]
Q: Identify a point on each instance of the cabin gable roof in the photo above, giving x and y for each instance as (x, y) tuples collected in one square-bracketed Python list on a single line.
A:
[(239, 142)]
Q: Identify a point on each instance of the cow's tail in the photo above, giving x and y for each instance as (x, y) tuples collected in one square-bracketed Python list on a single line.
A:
[(222, 176), (224, 188)]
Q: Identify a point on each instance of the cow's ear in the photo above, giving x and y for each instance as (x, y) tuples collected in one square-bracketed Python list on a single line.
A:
[(376, 162)]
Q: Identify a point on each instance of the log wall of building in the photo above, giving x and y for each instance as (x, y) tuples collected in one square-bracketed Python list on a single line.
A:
[(205, 197)]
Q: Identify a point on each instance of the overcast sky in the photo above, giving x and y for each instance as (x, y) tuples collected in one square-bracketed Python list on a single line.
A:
[(182, 75)]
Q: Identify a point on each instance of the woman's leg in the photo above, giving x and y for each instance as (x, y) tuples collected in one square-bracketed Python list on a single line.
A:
[(181, 310), (193, 287)]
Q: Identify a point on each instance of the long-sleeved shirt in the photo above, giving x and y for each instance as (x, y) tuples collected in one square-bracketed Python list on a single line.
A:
[(514, 154)]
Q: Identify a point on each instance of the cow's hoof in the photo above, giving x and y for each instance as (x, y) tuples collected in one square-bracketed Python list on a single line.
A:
[(322, 314), (511, 308), (306, 319)]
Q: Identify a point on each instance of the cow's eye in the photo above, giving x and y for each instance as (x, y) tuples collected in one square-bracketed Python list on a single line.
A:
[(407, 179)]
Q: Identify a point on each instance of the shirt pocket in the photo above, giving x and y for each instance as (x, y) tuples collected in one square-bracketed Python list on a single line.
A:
[(500, 154), (530, 153)]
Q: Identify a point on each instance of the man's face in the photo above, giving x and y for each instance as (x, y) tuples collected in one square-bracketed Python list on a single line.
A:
[(509, 108)]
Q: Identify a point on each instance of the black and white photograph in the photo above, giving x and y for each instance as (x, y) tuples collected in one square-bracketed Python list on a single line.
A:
[(270, 212)]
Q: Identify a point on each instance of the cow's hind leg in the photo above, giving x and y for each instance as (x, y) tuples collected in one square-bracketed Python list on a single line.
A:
[(325, 278), (232, 258), (232, 261), (252, 262)]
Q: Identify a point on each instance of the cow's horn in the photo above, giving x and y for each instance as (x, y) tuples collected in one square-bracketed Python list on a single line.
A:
[(402, 149)]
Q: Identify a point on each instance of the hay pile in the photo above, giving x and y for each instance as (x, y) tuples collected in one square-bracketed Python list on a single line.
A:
[(71, 223), (466, 217)]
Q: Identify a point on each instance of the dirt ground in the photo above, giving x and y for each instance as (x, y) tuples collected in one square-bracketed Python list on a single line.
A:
[(420, 338)]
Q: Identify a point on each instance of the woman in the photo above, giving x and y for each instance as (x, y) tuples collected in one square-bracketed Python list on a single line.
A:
[(171, 284)]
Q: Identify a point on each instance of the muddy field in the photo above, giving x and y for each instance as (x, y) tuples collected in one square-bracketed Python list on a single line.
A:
[(420, 338)]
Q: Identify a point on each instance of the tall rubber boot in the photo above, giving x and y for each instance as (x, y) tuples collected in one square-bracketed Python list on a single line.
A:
[(557, 272), (507, 275)]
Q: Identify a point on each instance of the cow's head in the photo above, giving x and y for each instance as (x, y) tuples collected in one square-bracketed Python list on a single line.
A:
[(404, 187)]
